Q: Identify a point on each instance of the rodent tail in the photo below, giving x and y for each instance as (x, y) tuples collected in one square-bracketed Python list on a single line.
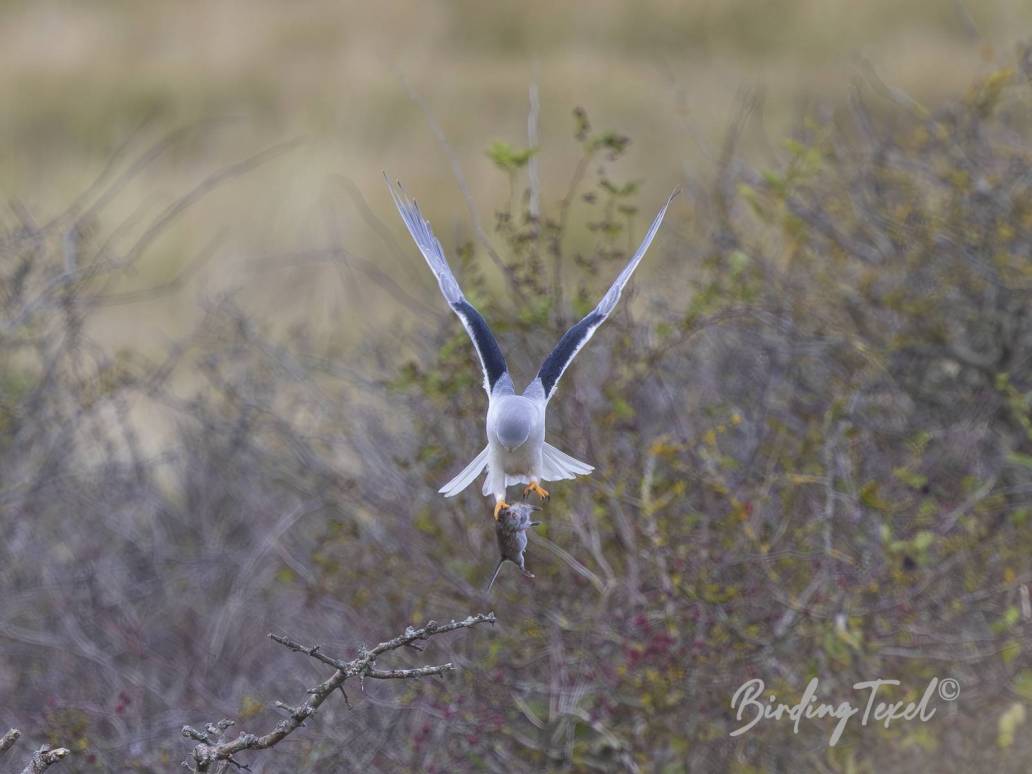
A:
[(497, 570)]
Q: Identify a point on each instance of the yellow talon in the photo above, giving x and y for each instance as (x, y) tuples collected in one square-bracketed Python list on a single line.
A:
[(500, 506), (536, 488)]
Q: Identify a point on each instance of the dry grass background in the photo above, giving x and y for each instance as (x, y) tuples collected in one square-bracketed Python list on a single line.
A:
[(78, 80)]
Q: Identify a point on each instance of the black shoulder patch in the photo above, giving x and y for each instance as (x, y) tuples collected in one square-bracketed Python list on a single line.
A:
[(564, 351), (484, 341)]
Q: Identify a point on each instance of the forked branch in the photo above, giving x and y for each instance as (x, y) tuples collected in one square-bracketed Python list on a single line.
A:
[(214, 753)]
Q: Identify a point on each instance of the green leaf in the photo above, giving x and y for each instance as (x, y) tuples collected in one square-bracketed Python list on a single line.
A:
[(615, 143), (1017, 458), (1023, 684), (622, 409), (1008, 723), (1009, 619), (869, 496), (923, 540), (910, 478), (738, 261), (775, 181), (507, 158), (627, 189)]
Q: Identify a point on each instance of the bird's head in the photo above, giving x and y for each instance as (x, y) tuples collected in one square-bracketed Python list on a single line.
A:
[(513, 427), (513, 437)]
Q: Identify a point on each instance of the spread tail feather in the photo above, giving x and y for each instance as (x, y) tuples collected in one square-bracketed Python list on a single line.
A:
[(557, 465), (466, 477)]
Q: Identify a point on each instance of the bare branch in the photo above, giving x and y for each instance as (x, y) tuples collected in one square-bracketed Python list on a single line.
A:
[(313, 651), (212, 749), (399, 674), (44, 758), (533, 178), (8, 739)]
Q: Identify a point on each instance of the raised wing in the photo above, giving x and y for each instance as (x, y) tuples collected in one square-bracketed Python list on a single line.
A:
[(577, 336), (491, 359)]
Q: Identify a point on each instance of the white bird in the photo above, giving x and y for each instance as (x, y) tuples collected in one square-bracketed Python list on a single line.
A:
[(516, 451)]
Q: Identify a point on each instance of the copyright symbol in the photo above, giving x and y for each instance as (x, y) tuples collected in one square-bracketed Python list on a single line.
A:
[(949, 689)]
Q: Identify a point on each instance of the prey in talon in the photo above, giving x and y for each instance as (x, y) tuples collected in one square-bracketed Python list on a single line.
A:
[(511, 531), (516, 451)]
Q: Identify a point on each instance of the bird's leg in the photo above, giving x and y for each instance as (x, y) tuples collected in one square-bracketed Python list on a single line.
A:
[(535, 487), (500, 505)]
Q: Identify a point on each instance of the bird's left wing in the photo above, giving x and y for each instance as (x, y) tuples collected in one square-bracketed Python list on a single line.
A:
[(577, 336), (491, 359)]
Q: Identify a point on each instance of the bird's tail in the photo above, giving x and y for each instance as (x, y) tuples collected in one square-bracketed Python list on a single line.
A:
[(557, 465), (466, 477)]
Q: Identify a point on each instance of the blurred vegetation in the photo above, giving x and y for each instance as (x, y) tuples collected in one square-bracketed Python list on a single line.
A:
[(80, 78), (813, 452)]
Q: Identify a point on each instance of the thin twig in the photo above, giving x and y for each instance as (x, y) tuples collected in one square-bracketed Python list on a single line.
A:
[(460, 179), (202, 189), (533, 179)]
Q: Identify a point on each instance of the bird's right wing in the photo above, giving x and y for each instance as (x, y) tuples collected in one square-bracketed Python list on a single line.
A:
[(491, 359)]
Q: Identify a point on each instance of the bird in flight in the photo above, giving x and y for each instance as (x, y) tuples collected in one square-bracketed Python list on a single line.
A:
[(516, 451)]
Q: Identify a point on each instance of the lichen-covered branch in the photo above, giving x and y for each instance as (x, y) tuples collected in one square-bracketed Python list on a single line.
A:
[(45, 757), (8, 739), (213, 752)]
